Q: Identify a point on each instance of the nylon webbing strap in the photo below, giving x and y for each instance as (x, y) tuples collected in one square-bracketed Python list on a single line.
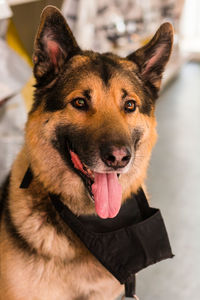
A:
[(130, 287), (143, 204)]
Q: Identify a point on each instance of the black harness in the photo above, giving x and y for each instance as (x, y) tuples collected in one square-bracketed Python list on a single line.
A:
[(126, 244)]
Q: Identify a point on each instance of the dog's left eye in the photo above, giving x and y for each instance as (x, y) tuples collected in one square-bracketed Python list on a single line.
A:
[(80, 103), (130, 106)]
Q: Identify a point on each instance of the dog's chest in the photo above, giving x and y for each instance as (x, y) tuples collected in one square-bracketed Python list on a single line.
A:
[(53, 280)]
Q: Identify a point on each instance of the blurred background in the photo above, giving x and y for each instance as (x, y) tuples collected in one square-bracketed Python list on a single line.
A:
[(121, 26)]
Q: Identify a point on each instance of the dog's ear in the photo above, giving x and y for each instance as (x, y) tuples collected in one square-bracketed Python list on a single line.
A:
[(152, 58), (54, 44)]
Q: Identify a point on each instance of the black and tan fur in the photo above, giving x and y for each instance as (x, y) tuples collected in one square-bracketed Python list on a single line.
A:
[(40, 258)]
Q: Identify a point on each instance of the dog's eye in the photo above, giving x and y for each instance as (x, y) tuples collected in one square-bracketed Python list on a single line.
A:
[(80, 103), (130, 106)]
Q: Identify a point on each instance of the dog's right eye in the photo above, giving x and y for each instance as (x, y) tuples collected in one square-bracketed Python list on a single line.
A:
[(80, 103)]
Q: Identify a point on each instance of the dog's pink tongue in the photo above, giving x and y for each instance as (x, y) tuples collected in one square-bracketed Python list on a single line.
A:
[(107, 193)]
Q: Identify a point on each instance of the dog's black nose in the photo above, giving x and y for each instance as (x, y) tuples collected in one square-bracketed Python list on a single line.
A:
[(115, 157)]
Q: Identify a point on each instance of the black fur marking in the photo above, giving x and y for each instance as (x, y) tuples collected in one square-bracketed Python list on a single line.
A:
[(61, 145), (82, 297), (151, 90), (4, 195), (105, 67), (67, 138), (78, 140), (143, 92), (19, 241), (136, 136), (52, 98), (124, 93), (52, 103), (147, 103), (37, 99), (17, 238), (52, 218), (105, 73), (28, 177), (103, 70), (87, 95)]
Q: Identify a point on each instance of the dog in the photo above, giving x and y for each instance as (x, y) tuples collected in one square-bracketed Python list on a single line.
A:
[(88, 138)]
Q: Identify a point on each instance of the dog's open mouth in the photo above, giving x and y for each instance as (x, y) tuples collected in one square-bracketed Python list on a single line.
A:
[(104, 188)]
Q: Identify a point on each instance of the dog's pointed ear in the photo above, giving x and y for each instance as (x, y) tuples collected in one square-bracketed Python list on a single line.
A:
[(152, 58), (54, 44)]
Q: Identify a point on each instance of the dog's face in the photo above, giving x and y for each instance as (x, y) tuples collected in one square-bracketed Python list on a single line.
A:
[(93, 115)]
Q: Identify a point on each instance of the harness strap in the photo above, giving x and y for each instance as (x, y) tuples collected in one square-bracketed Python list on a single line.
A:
[(130, 286), (70, 219), (145, 209), (143, 204)]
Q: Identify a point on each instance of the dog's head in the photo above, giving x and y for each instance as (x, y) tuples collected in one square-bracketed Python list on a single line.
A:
[(92, 126)]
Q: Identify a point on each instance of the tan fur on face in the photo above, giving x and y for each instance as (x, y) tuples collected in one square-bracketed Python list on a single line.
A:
[(106, 111)]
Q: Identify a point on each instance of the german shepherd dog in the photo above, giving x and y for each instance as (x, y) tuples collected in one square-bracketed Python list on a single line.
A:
[(88, 138)]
